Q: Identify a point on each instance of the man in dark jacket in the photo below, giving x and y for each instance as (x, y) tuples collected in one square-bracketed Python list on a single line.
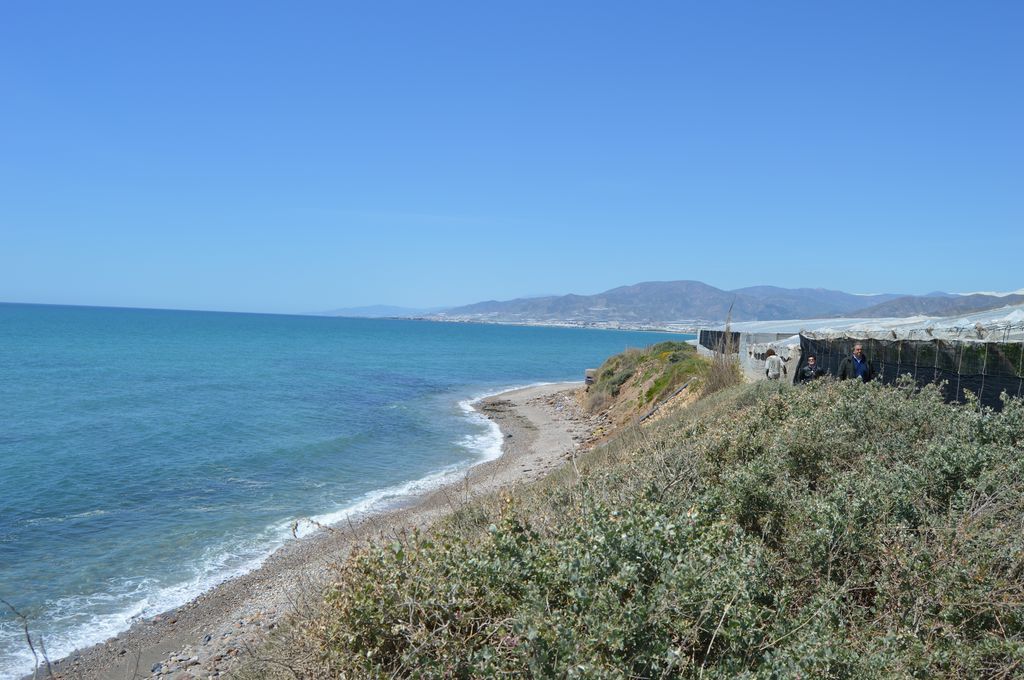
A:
[(809, 371), (857, 366)]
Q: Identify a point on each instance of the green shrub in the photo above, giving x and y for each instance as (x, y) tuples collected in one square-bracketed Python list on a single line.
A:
[(839, 530), (655, 372)]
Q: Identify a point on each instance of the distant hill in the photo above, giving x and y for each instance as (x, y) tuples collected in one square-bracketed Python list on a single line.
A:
[(819, 302), (640, 303), (932, 305), (660, 302)]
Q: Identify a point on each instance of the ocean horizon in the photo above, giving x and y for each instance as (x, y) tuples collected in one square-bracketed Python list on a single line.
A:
[(148, 455)]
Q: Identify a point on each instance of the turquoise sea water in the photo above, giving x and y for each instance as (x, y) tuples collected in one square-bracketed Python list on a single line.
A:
[(147, 455)]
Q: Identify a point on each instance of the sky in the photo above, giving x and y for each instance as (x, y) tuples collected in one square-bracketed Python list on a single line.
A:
[(299, 157)]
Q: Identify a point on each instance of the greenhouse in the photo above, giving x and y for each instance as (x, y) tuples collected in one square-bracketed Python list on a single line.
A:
[(981, 353)]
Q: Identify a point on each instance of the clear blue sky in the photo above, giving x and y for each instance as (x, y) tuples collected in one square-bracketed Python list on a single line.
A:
[(296, 157)]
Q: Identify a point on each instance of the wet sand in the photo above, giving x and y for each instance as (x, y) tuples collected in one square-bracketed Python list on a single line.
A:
[(543, 427)]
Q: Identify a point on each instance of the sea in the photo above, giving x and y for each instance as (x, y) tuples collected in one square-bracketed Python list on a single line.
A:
[(148, 455)]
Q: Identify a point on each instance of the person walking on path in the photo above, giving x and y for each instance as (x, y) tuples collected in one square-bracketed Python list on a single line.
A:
[(774, 369), (857, 366), (810, 371)]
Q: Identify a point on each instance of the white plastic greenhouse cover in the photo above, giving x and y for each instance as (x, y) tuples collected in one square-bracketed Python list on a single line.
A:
[(1005, 324)]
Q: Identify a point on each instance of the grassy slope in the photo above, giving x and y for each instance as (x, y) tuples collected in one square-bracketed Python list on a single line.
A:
[(840, 530), (633, 382)]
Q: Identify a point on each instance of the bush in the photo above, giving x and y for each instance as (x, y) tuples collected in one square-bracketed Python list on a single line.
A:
[(838, 530), (648, 375)]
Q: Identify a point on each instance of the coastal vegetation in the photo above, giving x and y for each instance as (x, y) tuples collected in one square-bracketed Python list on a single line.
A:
[(837, 530), (630, 382)]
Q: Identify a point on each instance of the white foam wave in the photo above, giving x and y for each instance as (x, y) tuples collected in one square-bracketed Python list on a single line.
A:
[(145, 598), (380, 500), (60, 519), (485, 445), (488, 445), (90, 619)]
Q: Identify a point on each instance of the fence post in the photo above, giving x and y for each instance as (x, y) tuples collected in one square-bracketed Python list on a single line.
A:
[(984, 372), (1020, 366), (959, 365)]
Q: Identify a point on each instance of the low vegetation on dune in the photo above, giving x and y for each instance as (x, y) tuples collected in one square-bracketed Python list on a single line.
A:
[(837, 530), (632, 383)]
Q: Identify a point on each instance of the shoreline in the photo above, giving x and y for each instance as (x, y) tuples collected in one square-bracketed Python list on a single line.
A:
[(541, 426), (675, 329)]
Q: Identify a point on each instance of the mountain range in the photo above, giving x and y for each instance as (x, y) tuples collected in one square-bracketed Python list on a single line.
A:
[(682, 302)]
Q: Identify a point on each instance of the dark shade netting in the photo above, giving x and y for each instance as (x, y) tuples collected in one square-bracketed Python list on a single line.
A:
[(986, 369), (719, 341)]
